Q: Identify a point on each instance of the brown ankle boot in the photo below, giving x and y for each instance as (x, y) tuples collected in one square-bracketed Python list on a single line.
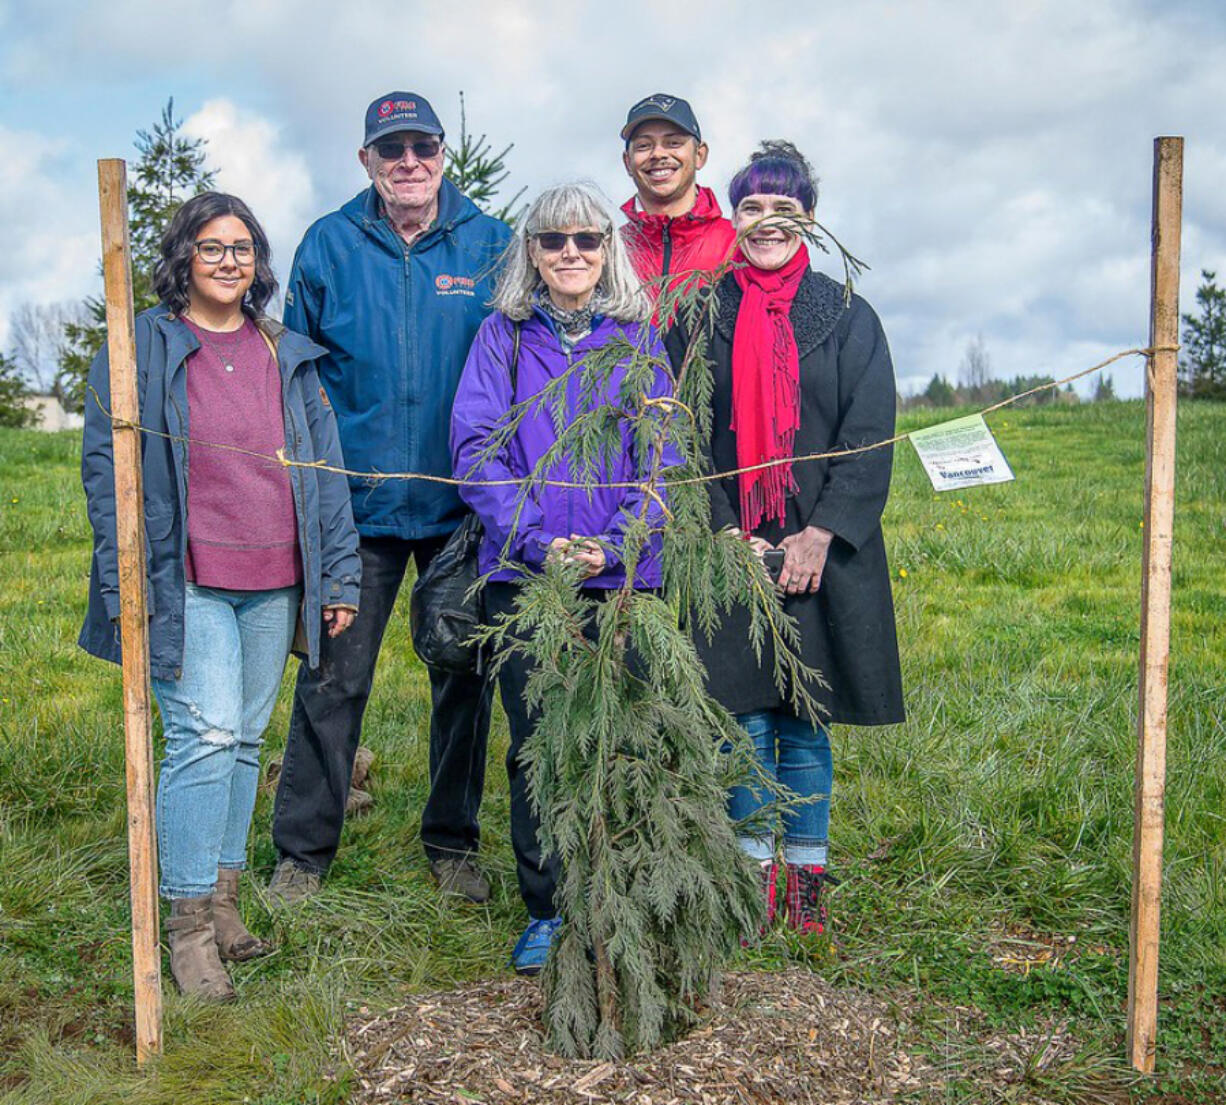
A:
[(194, 963), (233, 940)]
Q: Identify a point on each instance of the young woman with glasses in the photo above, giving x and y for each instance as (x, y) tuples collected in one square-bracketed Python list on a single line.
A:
[(241, 551)]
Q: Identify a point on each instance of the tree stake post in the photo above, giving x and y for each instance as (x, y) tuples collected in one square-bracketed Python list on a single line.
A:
[(133, 620), (1150, 784)]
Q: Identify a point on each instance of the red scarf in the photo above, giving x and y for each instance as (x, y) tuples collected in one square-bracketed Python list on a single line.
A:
[(766, 385)]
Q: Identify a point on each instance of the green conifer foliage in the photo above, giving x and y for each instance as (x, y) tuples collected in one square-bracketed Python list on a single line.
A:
[(13, 390), (631, 758), (479, 172), (170, 169), (1203, 363)]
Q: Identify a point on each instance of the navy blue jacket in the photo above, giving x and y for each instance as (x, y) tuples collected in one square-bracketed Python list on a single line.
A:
[(327, 539), (396, 321)]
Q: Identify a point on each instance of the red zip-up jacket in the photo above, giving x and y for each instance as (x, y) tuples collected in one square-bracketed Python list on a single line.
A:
[(659, 245)]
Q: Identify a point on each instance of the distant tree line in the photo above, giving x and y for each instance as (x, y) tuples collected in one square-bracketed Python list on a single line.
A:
[(1202, 366), (976, 386)]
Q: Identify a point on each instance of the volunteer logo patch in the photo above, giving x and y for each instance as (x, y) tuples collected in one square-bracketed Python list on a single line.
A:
[(445, 284)]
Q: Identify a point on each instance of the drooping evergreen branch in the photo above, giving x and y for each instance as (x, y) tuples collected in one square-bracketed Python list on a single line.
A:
[(630, 760)]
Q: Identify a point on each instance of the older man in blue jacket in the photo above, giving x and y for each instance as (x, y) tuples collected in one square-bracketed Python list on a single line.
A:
[(394, 286)]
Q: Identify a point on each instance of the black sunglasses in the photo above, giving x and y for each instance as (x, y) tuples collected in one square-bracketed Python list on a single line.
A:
[(423, 149), (553, 241)]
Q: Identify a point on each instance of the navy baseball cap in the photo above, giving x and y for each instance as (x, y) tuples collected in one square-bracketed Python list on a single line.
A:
[(660, 105), (400, 111)]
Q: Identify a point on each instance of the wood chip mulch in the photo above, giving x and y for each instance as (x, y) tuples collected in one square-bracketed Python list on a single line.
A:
[(772, 1038)]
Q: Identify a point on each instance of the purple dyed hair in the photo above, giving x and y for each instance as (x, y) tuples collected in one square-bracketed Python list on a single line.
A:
[(778, 169)]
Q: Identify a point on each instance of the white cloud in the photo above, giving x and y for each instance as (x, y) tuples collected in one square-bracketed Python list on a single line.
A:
[(51, 245), (251, 161)]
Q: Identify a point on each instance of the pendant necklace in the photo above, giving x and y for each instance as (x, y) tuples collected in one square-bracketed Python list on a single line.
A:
[(227, 362)]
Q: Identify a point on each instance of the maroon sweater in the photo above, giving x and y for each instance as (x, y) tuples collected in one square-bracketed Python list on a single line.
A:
[(241, 529)]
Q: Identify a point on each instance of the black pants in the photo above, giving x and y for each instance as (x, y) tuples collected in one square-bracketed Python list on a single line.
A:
[(537, 874), (326, 724)]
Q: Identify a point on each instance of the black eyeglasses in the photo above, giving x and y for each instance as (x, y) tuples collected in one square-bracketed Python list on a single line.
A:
[(423, 149), (211, 251), (554, 241)]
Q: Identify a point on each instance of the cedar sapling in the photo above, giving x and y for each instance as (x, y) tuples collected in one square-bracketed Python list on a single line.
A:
[(630, 759)]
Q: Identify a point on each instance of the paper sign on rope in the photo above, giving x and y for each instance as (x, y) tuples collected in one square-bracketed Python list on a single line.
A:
[(961, 453)]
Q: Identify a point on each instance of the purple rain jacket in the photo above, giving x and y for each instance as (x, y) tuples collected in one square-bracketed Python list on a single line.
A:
[(483, 399)]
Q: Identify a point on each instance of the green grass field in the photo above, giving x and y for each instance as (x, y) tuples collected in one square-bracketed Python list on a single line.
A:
[(985, 845)]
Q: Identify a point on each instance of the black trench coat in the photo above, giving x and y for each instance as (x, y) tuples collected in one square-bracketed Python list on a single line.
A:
[(847, 399)]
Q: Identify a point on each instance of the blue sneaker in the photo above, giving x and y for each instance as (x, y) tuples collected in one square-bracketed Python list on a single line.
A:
[(533, 947)]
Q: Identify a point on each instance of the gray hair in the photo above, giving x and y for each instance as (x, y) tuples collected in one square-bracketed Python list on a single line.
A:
[(564, 205)]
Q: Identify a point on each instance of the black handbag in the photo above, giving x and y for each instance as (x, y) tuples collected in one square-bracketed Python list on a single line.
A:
[(444, 611)]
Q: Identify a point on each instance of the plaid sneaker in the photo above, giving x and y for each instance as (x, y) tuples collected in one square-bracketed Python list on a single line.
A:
[(806, 910)]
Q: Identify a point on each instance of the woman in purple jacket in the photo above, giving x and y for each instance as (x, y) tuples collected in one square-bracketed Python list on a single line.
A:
[(566, 290)]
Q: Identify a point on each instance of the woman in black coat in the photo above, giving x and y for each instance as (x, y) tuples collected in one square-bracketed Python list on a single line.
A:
[(798, 370)]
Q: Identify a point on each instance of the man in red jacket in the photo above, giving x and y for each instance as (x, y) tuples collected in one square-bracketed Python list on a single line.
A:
[(676, 227)]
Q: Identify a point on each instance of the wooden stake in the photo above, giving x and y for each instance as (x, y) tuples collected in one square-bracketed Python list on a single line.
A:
[(1150, 785), (133, 621)]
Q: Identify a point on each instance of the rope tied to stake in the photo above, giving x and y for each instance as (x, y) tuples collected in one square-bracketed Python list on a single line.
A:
[(647, 488)]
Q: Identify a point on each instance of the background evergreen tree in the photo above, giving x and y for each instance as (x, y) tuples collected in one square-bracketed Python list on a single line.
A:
[(631, 758), (170, 169), (1202, 365), (939, 392), (1020, 384), (13, 389), (477, 171)]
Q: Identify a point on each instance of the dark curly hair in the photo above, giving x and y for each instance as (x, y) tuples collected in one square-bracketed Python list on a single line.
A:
[(173, 274), (780, 169)]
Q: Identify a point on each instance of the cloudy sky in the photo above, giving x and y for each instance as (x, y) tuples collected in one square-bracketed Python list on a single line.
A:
[(990, 160)]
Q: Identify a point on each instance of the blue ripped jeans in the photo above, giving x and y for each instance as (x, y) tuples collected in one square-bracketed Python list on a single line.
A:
[(235, 644), (798, 755)]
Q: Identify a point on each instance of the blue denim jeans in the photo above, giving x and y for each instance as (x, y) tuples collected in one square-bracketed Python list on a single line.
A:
[(798, 755), (235, 644)]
